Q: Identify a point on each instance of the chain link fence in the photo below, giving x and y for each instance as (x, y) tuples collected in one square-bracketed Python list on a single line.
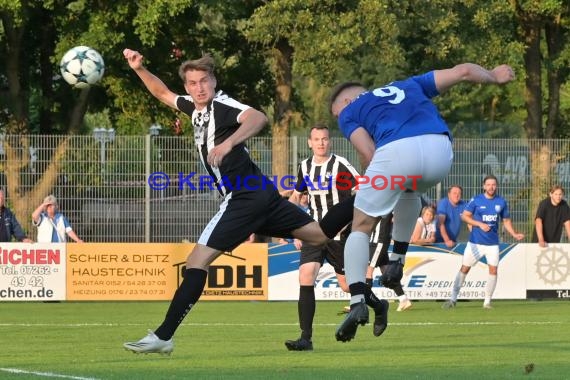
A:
[(102, 183)]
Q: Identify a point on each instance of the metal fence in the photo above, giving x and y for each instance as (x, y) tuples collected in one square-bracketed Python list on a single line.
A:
[(102, 184)]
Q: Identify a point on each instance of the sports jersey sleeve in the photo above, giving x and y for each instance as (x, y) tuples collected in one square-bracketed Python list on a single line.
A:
[(231, 107), (185, 104), (300, 185), (427, 83), (471, 206), (346, 174), (346, 124), (442, 207), (505, 213)]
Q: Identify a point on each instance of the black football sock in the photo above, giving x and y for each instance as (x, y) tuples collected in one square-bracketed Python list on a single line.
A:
[(369, 282), (398, 290), (187, 294), (401, 247), (306, 308), (385, 233), (338, 217), (370, 298), (399, 251)]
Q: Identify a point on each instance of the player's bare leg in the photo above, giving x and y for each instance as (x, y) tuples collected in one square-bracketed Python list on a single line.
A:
[(187, 294)]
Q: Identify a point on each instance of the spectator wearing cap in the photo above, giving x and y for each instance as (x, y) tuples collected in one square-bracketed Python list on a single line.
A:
[(53, 226)]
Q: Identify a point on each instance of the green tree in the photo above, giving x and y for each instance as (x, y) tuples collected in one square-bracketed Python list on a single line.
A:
[(533, 36), (34, 35), (314, 39)]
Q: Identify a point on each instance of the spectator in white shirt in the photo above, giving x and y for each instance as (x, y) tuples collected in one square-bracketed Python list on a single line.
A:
[(53, 226)]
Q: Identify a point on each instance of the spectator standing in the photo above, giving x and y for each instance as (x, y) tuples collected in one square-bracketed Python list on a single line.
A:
[(53, 226), (552, 213), (9, 225)]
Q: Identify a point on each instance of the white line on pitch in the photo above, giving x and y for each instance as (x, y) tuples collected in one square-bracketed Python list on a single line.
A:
[(474, 323), (44, 374)]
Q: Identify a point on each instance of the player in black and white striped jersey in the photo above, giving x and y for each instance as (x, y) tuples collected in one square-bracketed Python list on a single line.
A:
[(379, 244), (318, 175), (251, 202)]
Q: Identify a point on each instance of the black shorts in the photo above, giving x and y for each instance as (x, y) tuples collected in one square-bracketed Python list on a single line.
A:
[(383, 235), (333, 252), (243, 212)]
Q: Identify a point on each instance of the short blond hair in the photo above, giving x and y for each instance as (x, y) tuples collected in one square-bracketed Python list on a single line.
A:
[(204, 63), (51, 199)]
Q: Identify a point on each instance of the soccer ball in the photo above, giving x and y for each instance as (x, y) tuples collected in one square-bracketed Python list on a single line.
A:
[(82, 66)]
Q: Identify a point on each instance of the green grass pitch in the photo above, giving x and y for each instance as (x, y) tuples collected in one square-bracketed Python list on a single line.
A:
[(244, 340)]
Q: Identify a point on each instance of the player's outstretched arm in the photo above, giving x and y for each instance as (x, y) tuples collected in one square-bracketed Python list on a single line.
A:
[(154, 85), (470, 72)]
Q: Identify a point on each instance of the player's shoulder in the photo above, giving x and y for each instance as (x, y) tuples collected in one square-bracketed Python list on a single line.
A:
[(478, 198), (500, 199), (478, 201), (221, 96), (340, 159), (345, 165), (226, 100), (184, 103)]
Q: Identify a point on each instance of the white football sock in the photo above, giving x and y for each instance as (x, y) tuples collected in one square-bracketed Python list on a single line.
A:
[(457, 284), (490, 288), (356, 253)]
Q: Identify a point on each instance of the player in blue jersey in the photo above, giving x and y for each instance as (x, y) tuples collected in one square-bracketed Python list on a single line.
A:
[(398, 133), (483, 213)]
